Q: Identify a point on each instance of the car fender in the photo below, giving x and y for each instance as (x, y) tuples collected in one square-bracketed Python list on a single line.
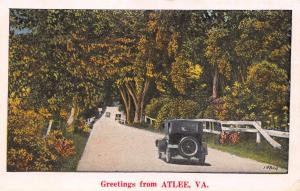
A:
[(204, 148), (161, 144)]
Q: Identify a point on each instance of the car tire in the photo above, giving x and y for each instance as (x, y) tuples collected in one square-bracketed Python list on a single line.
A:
[(188, 146), (159, 155), (168, 155)]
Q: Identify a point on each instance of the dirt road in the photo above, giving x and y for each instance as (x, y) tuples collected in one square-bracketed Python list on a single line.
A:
[(119, 148)]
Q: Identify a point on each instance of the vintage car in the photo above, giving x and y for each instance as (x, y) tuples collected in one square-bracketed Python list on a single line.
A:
[(182, 137)]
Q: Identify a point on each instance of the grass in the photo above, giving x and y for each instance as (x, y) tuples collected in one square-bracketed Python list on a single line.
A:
[(248, 148), (79, 142)]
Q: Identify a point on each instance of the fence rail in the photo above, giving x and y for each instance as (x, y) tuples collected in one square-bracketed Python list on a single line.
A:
[(257, 129), (236, 126), (150, 119)]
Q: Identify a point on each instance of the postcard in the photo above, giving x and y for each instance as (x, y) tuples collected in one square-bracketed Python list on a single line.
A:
[(163, 95)]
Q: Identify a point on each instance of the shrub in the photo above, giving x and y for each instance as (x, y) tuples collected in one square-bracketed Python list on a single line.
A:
[(177, 108), (28, 149), (229, 137), (155, 105), (262, 97), (268, 85), (82, 127), (215, 110), (60, 146)]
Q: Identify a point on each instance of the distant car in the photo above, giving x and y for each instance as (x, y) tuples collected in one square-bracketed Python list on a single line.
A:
[(107, 114), (118, 117), (182, 137)]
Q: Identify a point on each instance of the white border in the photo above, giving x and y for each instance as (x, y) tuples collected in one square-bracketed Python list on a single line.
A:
[(90, 181)]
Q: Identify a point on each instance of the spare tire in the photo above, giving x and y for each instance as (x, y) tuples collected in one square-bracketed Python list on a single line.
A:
[(188, 146)]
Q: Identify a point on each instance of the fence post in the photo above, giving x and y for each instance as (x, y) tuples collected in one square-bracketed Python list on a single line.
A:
[(258, 139), (258, 136), (49, 127), (71, 117)]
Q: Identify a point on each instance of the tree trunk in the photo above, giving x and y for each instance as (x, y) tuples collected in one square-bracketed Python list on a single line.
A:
[(127, 102), (138, 112), (138, 107), (128, 109), (138, 98), (145, 90), (215, 84)]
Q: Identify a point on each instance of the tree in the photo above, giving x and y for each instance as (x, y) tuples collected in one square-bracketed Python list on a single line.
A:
[(268, 84), (171, 52), (217, 54), (56, 79), (262, 97), (264, 35)]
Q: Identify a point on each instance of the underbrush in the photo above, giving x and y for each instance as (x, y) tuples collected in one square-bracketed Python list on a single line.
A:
[(79, 135), (80, 141)]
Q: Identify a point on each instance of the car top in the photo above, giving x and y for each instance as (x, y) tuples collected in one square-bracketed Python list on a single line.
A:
[(191, 120)]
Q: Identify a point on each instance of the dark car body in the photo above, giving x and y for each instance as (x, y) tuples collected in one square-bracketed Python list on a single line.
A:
[(182, 137)]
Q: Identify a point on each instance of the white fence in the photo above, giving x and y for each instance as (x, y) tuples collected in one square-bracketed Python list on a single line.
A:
[(257, 129), (149, 119), (239, 126)]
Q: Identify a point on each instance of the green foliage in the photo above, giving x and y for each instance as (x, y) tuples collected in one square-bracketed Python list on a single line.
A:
[(260, 39), (155, 105), (199, 93), (268, 85), (28, 149), (216, 50), (214, 111), (184, 73), (263, 97), (176, 108)]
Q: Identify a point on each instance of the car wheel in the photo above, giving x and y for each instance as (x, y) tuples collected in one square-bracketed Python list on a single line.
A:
[(159, 155), (188, 146), (168, 155)]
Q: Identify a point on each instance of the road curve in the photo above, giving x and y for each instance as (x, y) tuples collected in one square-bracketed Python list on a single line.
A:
[(113, 147)]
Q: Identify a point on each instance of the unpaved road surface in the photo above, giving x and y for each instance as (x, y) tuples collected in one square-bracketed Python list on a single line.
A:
[(113, 147)]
